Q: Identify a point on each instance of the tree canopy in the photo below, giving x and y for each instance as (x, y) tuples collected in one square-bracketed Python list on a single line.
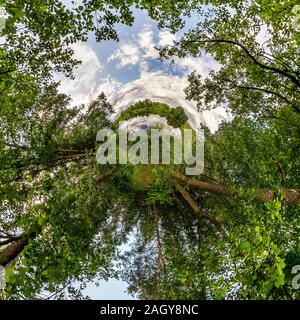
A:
[(230, 233)]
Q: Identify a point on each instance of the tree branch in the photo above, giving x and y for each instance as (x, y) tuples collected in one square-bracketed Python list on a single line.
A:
[(198, 211), (284, 73), (291, 196)]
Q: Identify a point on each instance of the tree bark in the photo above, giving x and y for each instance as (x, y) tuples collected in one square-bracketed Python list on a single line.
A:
[(12, 251), (200, 214), (291, 196)]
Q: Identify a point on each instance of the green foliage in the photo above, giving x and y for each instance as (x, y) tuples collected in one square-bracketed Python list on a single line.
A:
[(257, 48), (141, 177), (48, 188), (73, 214), (175, 117), (160, 189)]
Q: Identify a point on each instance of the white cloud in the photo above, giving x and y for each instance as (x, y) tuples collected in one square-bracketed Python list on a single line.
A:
[(83, 88), (127, 54), (147, 44), (136, 52), (166, 38), (202, 65), (109, 86), (144, 48)]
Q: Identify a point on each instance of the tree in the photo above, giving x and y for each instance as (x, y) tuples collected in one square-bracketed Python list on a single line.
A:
[(53, 213), (74, 213), (257, 47), (242, 245), (232, 232), (38, 148)]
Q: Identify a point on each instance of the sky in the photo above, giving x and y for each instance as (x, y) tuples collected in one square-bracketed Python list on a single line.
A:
[(129, 71)]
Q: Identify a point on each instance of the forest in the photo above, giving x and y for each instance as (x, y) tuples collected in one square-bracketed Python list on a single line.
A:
[(229, 233)]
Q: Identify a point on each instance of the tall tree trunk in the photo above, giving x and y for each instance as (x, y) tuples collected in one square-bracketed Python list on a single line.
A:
[(160, 258), (12, 251), (291, 196), (8, 254)]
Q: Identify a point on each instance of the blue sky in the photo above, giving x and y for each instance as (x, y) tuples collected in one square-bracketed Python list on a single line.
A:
[(129, 71)]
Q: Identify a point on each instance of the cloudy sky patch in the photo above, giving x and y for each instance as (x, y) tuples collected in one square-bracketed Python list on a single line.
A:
[(130, 71)]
